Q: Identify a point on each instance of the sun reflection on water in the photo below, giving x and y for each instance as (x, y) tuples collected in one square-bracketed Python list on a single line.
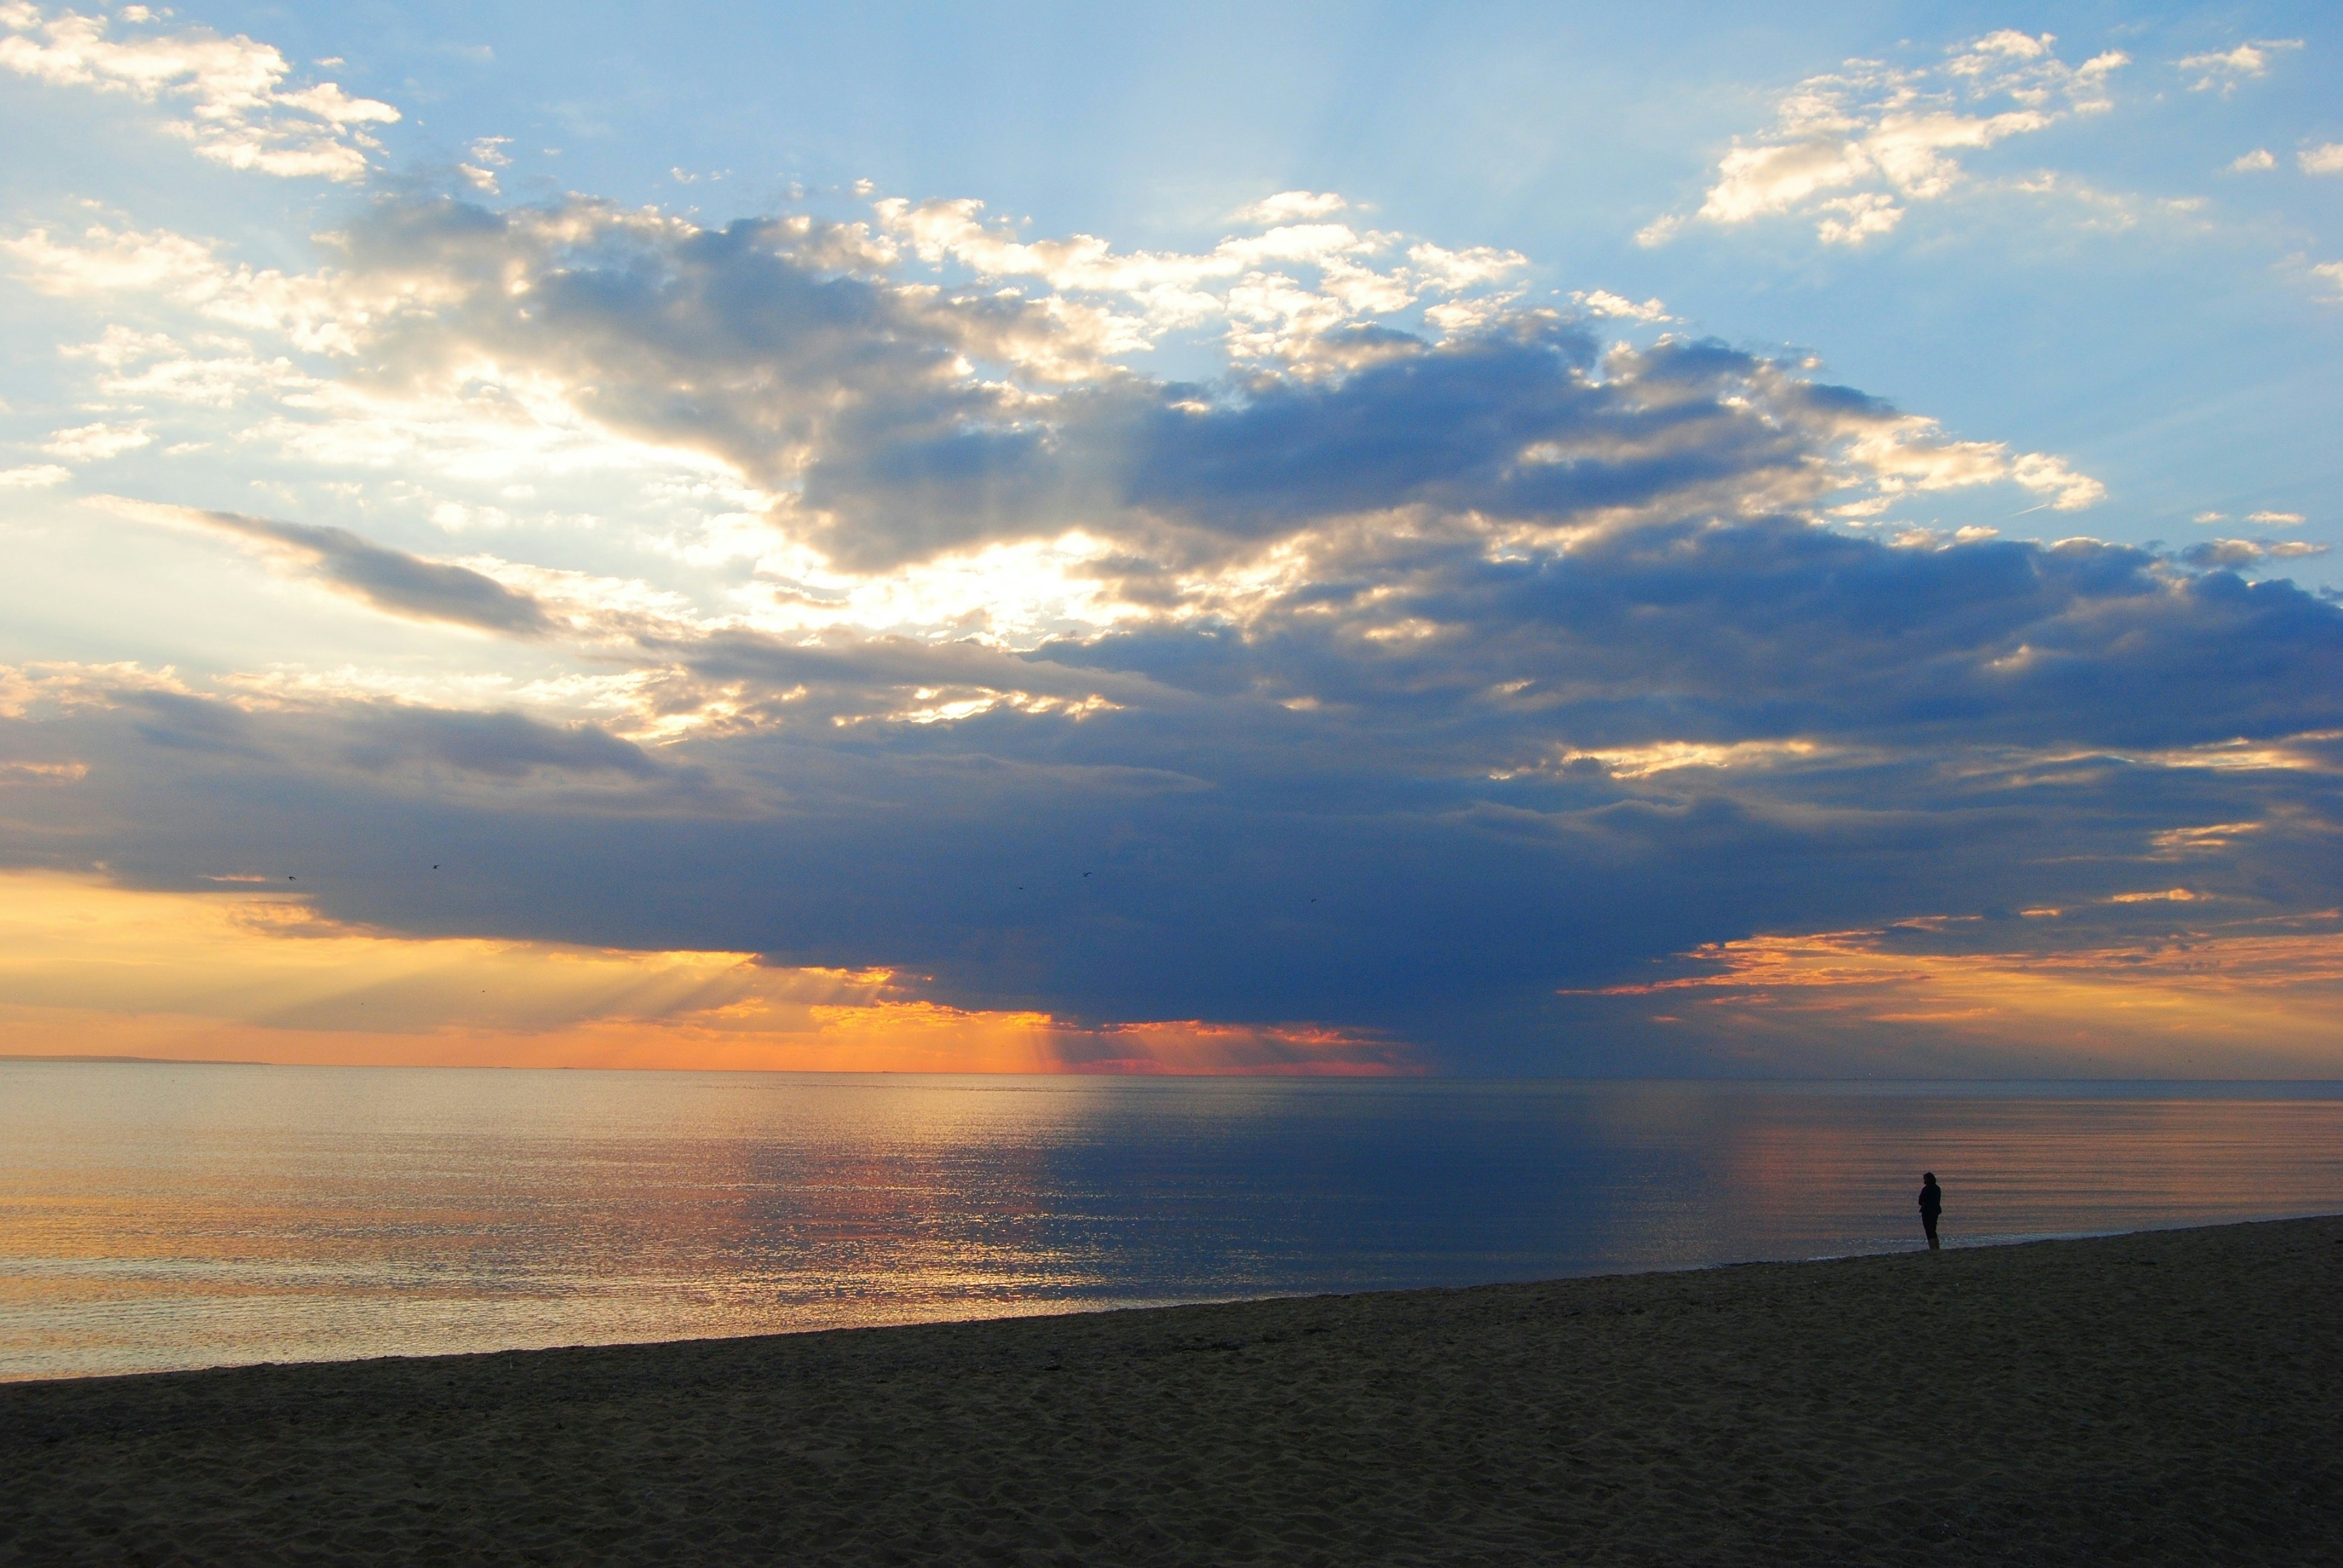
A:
[(162, 1216)]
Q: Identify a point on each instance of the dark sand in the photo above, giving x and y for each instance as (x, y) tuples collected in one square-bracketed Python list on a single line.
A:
[(2172, 1397)]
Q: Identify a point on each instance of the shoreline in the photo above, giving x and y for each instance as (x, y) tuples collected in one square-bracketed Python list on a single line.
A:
[(1027, 1313), (2151, 1396)]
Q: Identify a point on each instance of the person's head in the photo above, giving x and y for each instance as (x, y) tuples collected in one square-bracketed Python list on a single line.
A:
[(1927, 1177)]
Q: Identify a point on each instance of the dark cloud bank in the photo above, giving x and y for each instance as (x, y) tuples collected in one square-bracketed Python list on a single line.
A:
[(1521, 726)]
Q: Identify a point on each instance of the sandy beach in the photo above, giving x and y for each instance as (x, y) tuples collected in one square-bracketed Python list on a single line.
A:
[(2164, 1397)]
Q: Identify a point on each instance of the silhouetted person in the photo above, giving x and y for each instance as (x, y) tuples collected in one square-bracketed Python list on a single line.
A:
[(1932, 1203)]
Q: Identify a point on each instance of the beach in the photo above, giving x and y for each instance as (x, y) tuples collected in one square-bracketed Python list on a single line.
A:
[(2158, 1397)]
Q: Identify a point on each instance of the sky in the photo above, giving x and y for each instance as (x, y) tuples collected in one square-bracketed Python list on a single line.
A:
[(1480, 540)]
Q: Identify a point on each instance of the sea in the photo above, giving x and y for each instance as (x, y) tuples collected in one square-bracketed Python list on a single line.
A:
[(162, 1216)]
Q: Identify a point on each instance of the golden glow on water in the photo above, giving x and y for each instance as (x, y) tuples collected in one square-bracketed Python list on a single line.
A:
[(240, 974), (167, 1215)]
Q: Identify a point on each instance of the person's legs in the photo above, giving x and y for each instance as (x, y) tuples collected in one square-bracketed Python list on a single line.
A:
[(1930, 1220)]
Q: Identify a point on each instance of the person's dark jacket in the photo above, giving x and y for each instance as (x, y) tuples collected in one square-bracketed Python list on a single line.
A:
[(1932, 1201)]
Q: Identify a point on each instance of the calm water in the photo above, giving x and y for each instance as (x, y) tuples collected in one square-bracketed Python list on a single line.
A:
[(155, 1216)]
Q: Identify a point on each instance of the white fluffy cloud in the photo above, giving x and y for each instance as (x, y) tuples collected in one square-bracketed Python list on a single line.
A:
[(2223, 69), (1286, 206), (1279, 296), (171, 268), (95, 443), (1851, 150), (2326, 158), (1602, 302), (487, 156), (230, 93)]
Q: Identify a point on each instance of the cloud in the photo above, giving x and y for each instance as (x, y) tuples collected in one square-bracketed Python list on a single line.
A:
[(1947, 995), (1602, 302), (1853, 149), (2277, 520), (855, 396), (86, 969), (42, 772), (1496, 776), (2225, 69), (863, 604), (34, 476), (884, 420), (2218, 554), (390, 580), (1286, 296), (487, 156), (188, 274), (238, 109), (2249, 163), (144, 369), (2326, 158), (1288, 206), (2047, 476), (508, 746), (97, 443)]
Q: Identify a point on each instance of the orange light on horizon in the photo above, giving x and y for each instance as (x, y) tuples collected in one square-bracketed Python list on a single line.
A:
[(88, 968), (2249, 999)]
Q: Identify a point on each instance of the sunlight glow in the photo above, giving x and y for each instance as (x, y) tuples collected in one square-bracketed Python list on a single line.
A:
[(2248, 999), (90, 970)]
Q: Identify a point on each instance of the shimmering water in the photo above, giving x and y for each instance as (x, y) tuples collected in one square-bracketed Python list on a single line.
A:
[(159, 1216)]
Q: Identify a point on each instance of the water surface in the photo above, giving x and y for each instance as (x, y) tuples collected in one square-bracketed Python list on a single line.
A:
[(156, 1216)]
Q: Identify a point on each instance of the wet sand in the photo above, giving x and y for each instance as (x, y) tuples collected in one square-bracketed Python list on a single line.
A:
[(2165, 1397)]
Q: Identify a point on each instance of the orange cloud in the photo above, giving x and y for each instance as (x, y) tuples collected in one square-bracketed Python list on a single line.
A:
[(2246, 999), (91, 970)]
